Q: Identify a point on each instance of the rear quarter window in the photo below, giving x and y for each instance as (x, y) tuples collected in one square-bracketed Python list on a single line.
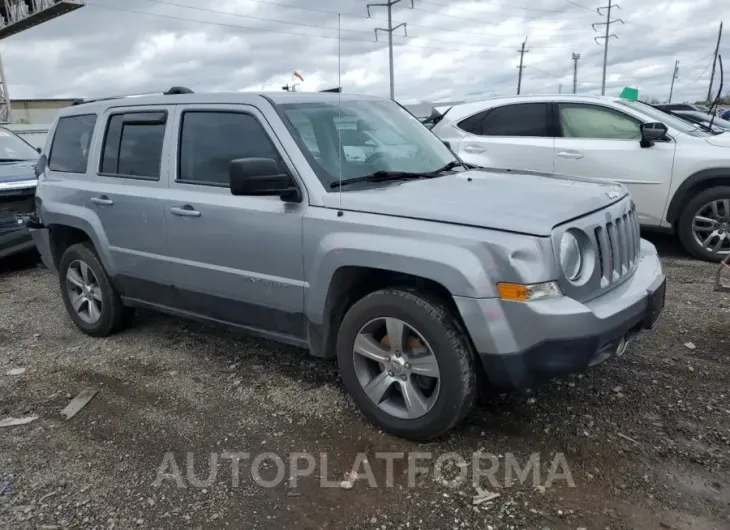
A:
[(71, 143)]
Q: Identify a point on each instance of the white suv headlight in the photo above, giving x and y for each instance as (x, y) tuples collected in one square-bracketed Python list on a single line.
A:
[(571, 257)]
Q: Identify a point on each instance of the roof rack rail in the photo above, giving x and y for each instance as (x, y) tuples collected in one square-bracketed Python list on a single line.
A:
[(171, 92)]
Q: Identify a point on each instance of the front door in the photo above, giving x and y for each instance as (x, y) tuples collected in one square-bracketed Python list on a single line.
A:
[(603, 143), (233, 259)]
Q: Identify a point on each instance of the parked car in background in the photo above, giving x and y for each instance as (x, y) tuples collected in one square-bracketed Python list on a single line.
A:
[(706, 121), (680, 106), (679, 181), (417, 273), (18, 161)]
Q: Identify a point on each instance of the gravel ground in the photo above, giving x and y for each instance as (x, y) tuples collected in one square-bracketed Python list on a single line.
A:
[(641, 441)]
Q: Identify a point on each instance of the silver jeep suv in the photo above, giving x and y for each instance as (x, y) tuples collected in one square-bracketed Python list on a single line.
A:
[(340, 224)]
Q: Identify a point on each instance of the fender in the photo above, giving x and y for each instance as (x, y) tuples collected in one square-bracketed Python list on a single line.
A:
[(459, 269), (78, 217), (720, 175)]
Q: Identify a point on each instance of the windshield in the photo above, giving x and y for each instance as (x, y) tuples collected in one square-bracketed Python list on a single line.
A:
[(13, 148), (666, 119), (374, 135)]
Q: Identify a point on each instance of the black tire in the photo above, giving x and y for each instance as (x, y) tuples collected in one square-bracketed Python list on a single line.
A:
[(112, 309), (684, 226), (450, 345)]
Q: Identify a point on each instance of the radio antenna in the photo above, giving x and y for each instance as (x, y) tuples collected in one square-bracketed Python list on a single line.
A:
[(339, 104)]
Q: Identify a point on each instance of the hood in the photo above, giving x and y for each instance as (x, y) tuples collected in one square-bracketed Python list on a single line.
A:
[(17, 175), (721, 140), (516, 201)]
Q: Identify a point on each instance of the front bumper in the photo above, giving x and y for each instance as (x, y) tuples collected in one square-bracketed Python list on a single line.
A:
[(14, 237), (519, 342)]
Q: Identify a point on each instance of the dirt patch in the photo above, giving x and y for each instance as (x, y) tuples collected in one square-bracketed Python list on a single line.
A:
[(646, 437)]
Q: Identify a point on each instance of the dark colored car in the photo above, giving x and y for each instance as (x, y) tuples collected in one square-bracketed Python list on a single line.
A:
[(18, 180), (719, 126), (670, 107)]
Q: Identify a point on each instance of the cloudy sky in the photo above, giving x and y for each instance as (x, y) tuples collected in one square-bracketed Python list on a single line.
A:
[(453, 48)]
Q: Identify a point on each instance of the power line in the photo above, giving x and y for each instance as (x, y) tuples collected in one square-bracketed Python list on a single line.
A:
[(284, 32), (472, 20), (579, 5), (502, 4), (606, 38), (316, 26)]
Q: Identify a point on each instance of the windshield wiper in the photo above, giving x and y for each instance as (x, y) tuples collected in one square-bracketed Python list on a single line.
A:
[(448, 167), (15, 159), (381, 176)]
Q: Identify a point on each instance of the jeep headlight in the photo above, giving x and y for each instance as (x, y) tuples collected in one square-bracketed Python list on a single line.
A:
[(571, 258)]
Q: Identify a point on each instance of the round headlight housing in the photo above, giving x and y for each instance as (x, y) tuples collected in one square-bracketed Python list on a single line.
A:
[(571, 258)]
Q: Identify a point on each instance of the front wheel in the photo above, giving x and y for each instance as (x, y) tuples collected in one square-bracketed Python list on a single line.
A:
[(704, 226), (407, 363)]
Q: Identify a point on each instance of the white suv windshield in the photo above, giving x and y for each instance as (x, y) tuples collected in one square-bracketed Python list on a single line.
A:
[(15, 149), (359, 138), (665, 118)]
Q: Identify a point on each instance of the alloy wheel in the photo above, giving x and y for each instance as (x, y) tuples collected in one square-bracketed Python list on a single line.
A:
[(711, 226), (396, 368), (84, 291)]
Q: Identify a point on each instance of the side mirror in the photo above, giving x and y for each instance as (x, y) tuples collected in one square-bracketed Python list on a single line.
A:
[(261, 177), (651, 132)]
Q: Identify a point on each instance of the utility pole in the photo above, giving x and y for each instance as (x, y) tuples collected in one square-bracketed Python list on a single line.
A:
[(674, 76), (606, 37), (714, 62), (389, 30), (560, 88), (522, 51), (576, 56), (5, 114)]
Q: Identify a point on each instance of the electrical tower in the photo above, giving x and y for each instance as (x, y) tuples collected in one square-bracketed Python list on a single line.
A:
[(20, 15), (674, 76), (576, 57), (714, 62), (389, 30), (522, 51), (606, 37)]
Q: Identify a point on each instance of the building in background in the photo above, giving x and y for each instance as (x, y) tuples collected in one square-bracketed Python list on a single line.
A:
[(36, 111)]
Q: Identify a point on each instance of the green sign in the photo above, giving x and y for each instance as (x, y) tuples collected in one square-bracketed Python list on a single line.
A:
[(630, 93)]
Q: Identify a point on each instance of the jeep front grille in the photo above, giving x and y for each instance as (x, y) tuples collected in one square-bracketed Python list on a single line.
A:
[(617, 243)]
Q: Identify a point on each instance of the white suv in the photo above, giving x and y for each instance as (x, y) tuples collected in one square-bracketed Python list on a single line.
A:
[(680, 182)]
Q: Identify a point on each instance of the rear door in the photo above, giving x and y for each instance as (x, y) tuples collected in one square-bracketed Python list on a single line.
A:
[(603, 143), (513, 136), (125, 195)]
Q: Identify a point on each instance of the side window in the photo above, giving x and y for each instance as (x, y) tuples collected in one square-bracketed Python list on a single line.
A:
[(591, 121), (210, 140), (472, 124), (523, 119), (71, 142), (133, 145)]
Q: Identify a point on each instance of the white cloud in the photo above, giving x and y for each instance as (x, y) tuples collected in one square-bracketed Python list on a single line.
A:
[(455, 48)]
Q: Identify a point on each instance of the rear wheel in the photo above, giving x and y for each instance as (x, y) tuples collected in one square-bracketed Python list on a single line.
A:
[(90, 299), (407, 363), (704, 226)]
